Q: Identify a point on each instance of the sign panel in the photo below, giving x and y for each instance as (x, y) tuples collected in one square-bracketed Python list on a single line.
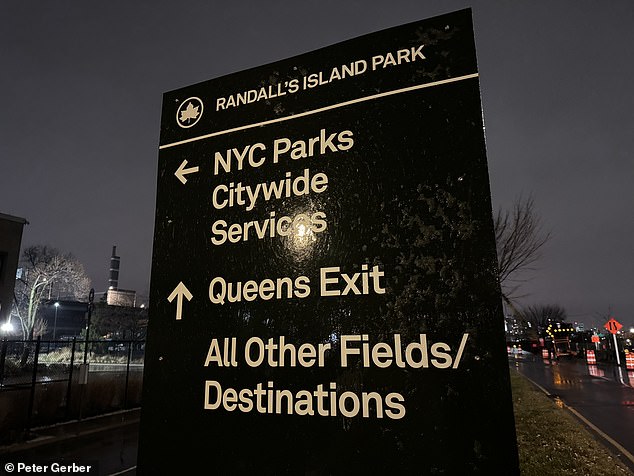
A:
[(324, 296), (613, 325)]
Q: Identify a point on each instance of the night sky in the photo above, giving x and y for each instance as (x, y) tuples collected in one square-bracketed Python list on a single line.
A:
[(81, 86)]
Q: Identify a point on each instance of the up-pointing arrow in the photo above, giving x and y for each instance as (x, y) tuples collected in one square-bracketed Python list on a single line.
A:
[(180, 291), (182, 171)]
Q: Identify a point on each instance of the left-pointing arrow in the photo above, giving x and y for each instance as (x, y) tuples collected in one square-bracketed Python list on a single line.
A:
[(179, 292), (182, 171)]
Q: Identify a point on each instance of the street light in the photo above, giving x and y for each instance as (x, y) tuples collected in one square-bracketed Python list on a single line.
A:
[(55, 321)]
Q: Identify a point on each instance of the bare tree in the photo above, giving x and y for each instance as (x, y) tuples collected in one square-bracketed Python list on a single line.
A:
[(541, 315), (44, 270), (519, 238)]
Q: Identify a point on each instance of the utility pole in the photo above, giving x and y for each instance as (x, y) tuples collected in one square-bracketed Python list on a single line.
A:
[(91, 298), (83, 369)]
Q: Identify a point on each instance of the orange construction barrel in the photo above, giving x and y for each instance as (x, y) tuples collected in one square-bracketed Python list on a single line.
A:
[(590, 357)]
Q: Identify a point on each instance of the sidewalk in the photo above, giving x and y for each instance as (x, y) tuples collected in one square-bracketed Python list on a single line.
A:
[(63, 432)]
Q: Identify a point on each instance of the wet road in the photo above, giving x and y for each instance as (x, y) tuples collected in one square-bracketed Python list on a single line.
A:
[(602, 394)]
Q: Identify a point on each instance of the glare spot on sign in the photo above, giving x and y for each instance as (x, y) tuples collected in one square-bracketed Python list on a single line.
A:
[(301, 240)]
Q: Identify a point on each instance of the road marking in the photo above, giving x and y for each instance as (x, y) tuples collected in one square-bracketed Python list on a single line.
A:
[(322, 109), (626, 453), (609, 439), (548, 394), (123, 471)]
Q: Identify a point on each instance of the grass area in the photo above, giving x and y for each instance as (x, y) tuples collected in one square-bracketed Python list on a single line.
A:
[(552, 442)]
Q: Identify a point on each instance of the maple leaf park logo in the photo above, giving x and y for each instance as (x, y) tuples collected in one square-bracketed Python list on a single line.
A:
[(189, 112)]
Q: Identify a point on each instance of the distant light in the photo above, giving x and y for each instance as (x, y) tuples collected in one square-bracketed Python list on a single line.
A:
[(632, 330), (56, 304), (6, 327), (142, 306), (111, 287)]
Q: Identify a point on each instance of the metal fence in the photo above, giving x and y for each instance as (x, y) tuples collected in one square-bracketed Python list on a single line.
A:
[(47, 382)]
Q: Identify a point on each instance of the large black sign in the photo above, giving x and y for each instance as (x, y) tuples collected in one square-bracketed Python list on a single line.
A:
[(324, 296)]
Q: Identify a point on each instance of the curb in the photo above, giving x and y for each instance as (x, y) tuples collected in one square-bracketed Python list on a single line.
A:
[(609, 442), (57, 433)]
